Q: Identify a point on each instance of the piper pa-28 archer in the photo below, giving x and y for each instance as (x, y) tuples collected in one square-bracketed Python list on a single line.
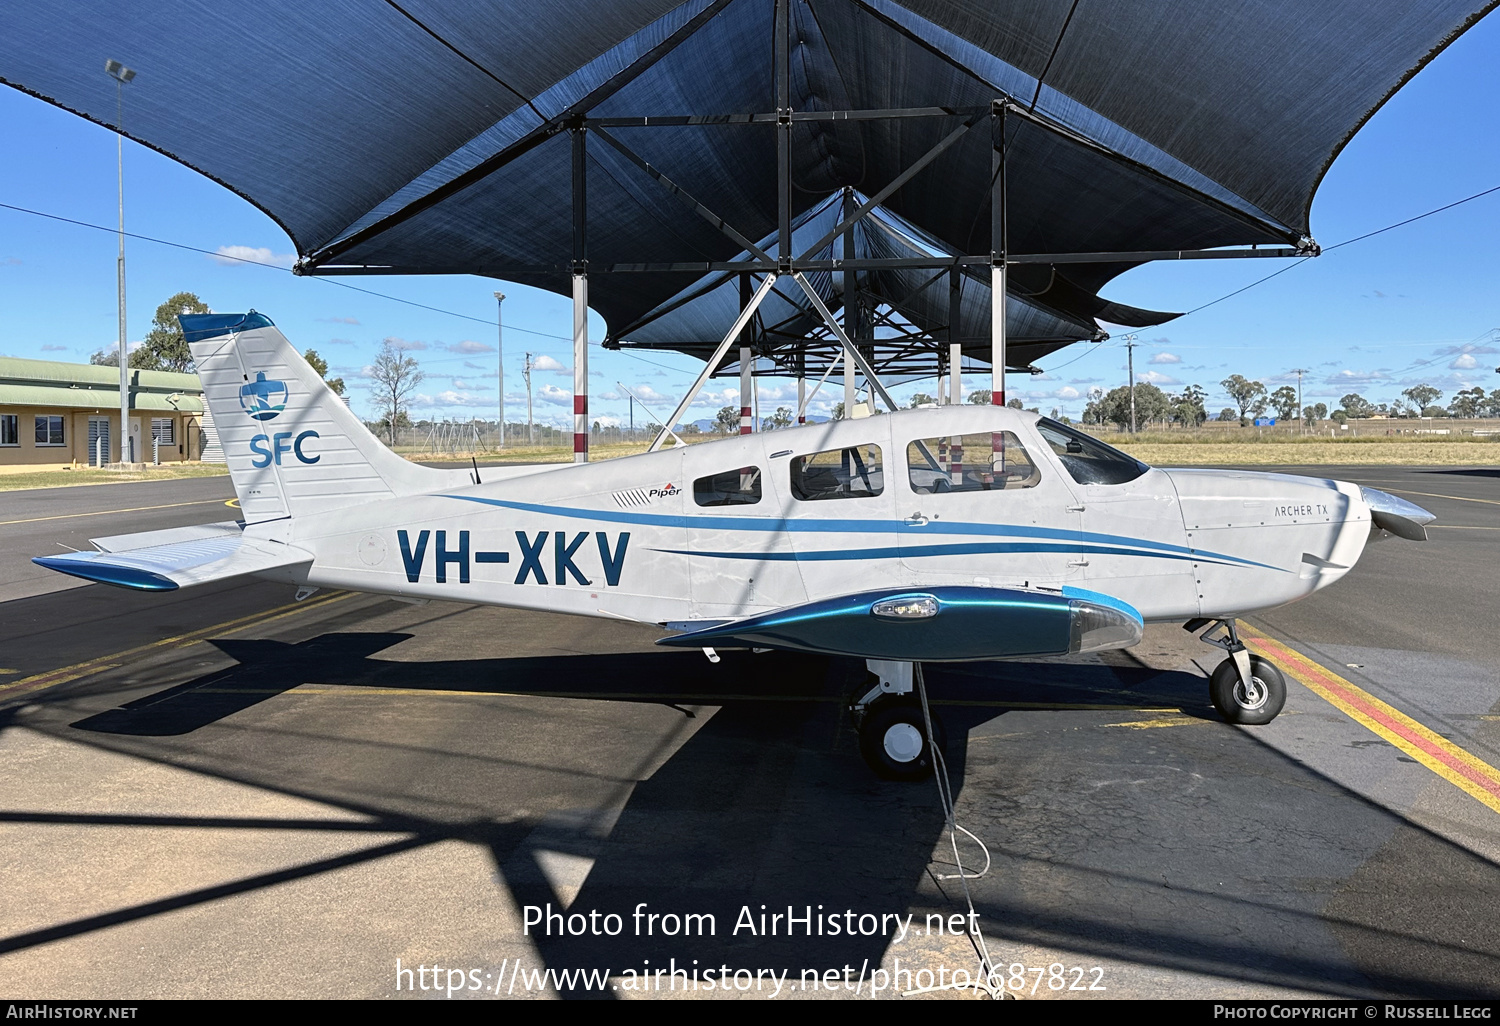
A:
[(950, 533)]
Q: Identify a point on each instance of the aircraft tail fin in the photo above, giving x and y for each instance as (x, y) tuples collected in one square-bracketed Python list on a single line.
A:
[(292, 445)]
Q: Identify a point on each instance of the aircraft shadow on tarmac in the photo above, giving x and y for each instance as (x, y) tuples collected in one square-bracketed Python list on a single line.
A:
[(767, 802)]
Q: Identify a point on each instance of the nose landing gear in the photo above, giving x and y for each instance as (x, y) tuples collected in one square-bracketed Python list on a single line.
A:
[(1244, 688), (892, 729)]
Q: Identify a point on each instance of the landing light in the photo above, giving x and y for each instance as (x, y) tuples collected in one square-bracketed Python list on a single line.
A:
[(906, 607)]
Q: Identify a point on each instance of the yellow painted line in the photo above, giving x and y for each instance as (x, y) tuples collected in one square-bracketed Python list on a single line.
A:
[(106, 512), (1460, 527), (232, 503), (1161, 721), (1439, 495), (1437, 753), (63, 674)]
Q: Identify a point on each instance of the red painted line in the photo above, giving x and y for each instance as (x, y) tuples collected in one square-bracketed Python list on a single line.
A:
[(580, 404), (1396, 727), (580, 442)]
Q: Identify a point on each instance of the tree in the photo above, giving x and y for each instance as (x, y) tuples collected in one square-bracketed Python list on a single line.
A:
[(781, 418), (838, 411), (1422, 396), (1312, 414), (165, 347), (396, 377), (1014, 404), (1356, 406), (321, 366), (1467, 402), (1339, 416), (1188, 409), (1226, 415), (1492, 404), (1244, 392), (727, 420), (1151, 404), (1284, 400), (921, 399), (981, 398)]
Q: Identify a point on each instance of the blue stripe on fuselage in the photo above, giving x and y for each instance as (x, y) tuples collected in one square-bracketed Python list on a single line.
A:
[(1074, 541)]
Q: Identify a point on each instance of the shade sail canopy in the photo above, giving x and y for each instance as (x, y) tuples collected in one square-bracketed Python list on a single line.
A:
[(424, 137)]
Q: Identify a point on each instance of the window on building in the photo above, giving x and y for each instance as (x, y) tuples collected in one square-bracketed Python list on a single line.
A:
[(10, 429), (853, 473), (731, 488), (162, 430), (49, 430), (988, 462)]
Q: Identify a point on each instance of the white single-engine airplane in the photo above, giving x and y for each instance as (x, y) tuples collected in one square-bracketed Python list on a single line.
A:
[(948, 533)]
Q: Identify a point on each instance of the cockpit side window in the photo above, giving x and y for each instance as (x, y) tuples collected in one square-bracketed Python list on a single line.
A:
[(853, 473), (730, 488), (994, 461), (1086, 459)]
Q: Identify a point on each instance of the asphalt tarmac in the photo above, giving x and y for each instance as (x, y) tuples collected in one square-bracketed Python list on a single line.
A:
[(221, 792)]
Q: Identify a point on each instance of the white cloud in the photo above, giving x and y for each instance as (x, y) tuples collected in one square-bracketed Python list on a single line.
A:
[(651, 397), (547, 363), (1166, 358), (405, 345), (63, 349), (1066, 392), (237, 256), (473, 386), (341, 342), (1464, 362), (1157, 378), (1353, 378), (449, 398), (468, 347), (556, 396), (340, 320)]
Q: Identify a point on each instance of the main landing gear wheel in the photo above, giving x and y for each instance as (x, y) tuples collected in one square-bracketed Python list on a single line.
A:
[(893, 739), (1256, 705)]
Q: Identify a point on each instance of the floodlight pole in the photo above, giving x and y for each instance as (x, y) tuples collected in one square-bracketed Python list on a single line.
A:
[(851, 307), (580, 299), (526, 373), (500, 346), (1300, 416), (1130, 344), (122, 75)]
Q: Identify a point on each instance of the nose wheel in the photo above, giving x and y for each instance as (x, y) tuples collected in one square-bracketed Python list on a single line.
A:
[(1245, 688), (893, 734)]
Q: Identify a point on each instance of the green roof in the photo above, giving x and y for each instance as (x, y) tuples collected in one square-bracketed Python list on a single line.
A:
[(83, 385)]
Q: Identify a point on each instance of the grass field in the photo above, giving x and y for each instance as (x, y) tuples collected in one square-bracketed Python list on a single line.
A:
[(86, 476)]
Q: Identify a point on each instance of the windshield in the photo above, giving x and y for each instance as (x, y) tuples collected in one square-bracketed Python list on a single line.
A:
[(1087, 459)]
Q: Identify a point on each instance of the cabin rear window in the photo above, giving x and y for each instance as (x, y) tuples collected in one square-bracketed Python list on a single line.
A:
[(853, 473), (730, 488), (994, 461)]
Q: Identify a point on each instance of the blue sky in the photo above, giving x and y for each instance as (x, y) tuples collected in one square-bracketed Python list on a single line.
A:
[(1412, 305)]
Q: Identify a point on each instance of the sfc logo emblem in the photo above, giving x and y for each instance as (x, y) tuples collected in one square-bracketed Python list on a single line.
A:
[(263, 399)]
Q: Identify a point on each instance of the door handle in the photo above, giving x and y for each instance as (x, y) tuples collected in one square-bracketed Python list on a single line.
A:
[(1078, 562), (916, 520), (1076, 509)]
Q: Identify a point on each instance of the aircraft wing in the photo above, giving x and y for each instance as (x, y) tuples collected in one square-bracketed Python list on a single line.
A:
[(176, 558), (932, 625)]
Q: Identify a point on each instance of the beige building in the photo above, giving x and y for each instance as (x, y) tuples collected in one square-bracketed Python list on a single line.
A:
[(68, 414)]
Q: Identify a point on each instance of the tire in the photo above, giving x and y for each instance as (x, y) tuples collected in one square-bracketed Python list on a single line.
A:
[(892, 739), (1228, 695)]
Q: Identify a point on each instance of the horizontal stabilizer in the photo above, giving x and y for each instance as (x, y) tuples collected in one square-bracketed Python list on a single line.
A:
[(176, 558), (947, 624)]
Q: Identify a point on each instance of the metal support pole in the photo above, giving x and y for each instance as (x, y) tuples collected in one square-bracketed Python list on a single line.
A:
[(747, 364), (997, 258), (580, 368), (125, 454), (1130, 344), (714, 360), (500, 360), (850, 349), (801, 399), (580, 298), (783, 44), (955, 336), (851, 308)]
